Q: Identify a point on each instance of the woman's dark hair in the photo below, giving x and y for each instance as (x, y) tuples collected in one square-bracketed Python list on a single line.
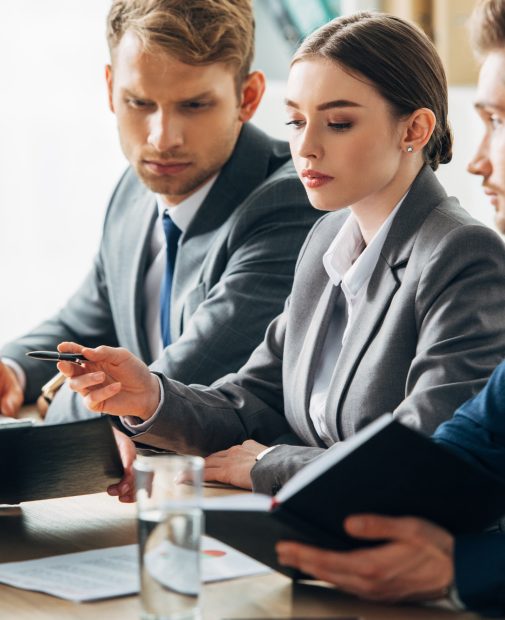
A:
[(400, 62)]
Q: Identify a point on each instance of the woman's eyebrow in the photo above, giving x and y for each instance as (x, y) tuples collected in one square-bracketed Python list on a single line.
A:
[(328, 105)]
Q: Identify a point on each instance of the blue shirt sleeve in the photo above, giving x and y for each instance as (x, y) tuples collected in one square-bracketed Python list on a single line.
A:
[(480, 572), (477, 429), (477, 433)]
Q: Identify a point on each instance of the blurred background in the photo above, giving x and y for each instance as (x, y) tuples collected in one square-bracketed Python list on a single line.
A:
[(59, 154)]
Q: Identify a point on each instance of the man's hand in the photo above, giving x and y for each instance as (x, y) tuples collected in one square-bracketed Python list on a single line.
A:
[(233, 466), (125, 488), (415, 564), (112, 381), (11, 394)]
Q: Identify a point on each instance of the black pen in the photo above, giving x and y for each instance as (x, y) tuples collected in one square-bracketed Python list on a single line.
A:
[(56, 356)]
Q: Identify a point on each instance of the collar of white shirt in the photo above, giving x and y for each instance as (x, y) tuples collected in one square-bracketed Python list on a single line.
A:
[(347, 262), (185, 211)]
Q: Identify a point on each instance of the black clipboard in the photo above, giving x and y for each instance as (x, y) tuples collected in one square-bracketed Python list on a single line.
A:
[(58, 460)]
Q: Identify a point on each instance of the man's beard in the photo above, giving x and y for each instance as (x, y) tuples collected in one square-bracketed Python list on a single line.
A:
[(169, 186)]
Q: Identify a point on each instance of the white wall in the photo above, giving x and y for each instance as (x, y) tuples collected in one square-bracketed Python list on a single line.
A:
[(59, 157), (58, 153)]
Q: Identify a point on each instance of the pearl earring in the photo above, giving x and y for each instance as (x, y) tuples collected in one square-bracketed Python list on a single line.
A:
[(410, 149)]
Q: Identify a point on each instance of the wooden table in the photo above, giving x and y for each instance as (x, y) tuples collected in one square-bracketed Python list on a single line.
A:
[(51, 527)]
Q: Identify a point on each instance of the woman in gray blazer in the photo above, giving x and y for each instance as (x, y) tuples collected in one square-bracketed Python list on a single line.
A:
[(397, 301)]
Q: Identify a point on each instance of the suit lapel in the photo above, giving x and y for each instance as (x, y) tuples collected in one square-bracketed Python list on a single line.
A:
[(380, 292), (307, 362), (236, 181), (140, 241), (424, 195)]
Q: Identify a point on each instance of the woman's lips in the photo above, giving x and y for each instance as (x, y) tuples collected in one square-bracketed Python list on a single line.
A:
[(314, 179)]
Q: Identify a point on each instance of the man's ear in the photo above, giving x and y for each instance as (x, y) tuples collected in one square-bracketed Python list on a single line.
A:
[(108, 78), (418, 129), (251, 93)]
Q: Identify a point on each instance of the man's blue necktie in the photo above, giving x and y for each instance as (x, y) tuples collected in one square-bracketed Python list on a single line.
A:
[(172, 234)]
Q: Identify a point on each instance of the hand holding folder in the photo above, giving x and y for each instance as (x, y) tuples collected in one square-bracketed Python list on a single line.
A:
[(386, 468)]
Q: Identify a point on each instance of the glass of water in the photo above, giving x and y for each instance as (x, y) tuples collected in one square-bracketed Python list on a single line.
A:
[(169, 490)]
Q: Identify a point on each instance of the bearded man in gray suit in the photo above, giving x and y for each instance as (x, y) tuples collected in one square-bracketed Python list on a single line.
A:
[(210, 212)]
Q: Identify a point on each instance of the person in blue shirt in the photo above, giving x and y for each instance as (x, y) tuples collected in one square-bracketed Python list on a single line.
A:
[(420, 560)]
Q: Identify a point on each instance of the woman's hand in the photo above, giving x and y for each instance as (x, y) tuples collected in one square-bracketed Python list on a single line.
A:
[(112, 380), (233, 466)]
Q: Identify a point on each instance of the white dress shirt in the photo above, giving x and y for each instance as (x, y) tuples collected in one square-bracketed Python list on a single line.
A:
[(349, 263), (181, 215)]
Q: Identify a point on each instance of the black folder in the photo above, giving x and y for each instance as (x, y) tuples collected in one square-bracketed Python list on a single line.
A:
[(58, 460), (387, 469)]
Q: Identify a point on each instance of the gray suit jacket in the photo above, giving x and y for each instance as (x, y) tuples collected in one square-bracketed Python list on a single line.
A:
[(429, 335), (233, 272)]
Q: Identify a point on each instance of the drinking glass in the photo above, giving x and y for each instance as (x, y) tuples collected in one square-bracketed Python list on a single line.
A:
[(170, 520)]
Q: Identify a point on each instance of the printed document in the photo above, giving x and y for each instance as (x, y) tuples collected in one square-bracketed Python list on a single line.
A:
[(107, 573)]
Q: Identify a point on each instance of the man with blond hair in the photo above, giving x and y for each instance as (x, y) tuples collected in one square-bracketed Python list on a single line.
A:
[(203, 229)]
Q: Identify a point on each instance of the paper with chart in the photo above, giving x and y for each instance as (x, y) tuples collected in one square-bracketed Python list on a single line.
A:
[(111, 572)]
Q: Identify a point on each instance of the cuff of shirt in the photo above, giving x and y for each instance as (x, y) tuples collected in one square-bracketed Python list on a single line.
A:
[(18, 371), (456, 602), (451, 601), (265, 452), (137, 425)]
